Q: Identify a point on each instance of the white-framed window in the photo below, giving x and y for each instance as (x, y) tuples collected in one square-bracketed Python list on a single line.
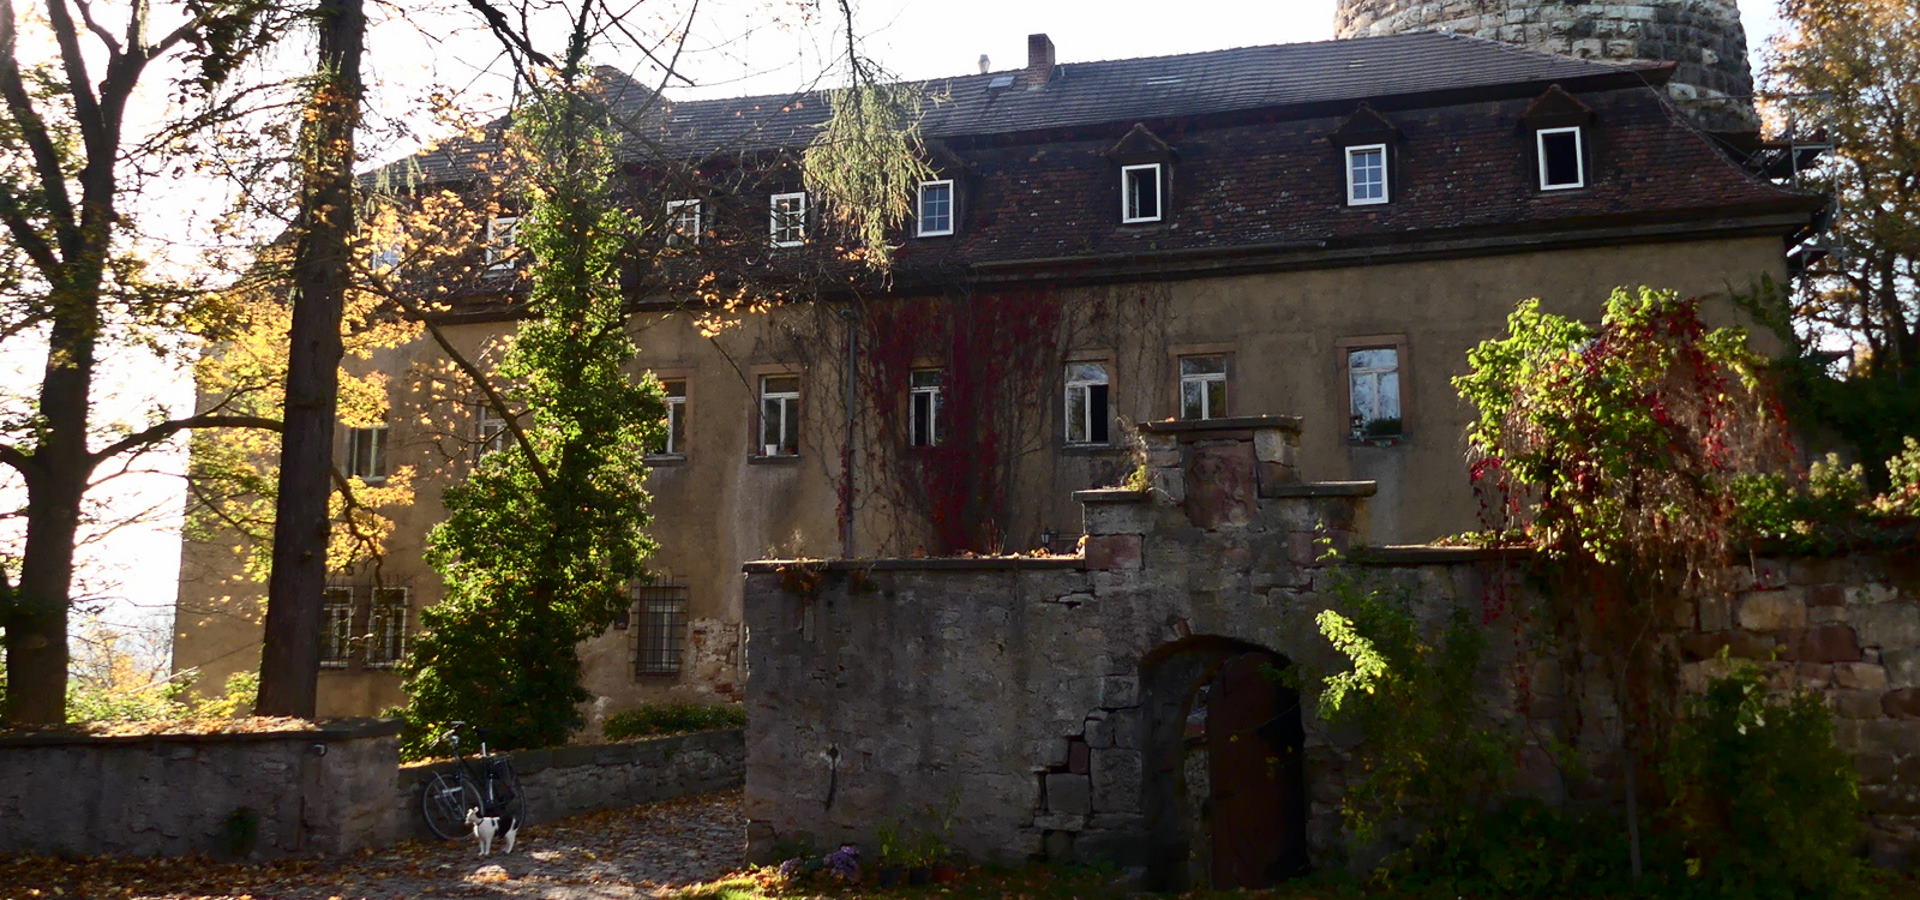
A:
[(1563, 158), (492, 434), (673, 438), (779, 415), (367, 453), (502, 248), (1140, 193), (387, 626), (1088, 416), (336, 627), (1373, 391), (1203, 387), (925, 396), (684, 225), (787, 219), (383, 256), (936, 209), (1366, 175)]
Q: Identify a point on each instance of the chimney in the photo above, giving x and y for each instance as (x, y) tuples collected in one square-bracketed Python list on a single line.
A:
[(1039, 60), (985, 64)]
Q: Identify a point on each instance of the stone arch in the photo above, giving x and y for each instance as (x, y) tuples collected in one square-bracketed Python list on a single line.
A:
[(1252, 780)]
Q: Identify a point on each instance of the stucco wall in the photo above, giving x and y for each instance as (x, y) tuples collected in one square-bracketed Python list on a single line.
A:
[(1012, 692), (719, 506), (305, 792)]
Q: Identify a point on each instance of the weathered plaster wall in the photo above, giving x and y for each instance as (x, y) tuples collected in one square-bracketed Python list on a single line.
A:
[(1009, 692), (311, 792)]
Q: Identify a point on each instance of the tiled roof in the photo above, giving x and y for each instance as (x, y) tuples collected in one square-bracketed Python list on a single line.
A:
[(1093, 93)]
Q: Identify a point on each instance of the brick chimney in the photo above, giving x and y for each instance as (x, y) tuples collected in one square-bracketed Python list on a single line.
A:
[(1039, 60)]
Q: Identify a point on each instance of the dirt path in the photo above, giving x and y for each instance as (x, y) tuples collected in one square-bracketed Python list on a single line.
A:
[(612, 855)]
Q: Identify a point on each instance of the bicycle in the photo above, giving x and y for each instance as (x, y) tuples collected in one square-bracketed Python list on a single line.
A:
[(446, 797)]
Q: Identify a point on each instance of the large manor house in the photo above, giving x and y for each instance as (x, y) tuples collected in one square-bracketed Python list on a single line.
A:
[(1319, 230)]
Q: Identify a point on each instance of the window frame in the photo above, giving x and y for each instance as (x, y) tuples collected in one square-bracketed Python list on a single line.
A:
[(484, 441), (1402, 368), (920, 228), (336, 627), (775, 219), (1224, 377), (677, 236), (1159, 188), (936, 398), (789, 414), (502, 256), (375, 622), (1068, 385), (377, 468), (1579, 156), (1386, 174), (666, 658), (676, 424)]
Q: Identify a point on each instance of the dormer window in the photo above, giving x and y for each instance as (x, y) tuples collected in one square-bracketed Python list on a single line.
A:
[(1140, 193), (683, 223), (1563, 158), (787, 219), (936, 209), (1366, 174), (502, 239)]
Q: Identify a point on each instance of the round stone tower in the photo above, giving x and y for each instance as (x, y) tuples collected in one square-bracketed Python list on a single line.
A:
[(1714, 82)]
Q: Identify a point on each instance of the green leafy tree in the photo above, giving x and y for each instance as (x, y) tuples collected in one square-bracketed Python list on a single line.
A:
[(543, 541)]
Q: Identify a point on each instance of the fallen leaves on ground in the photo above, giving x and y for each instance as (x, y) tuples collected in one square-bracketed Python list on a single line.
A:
[(151, 727)]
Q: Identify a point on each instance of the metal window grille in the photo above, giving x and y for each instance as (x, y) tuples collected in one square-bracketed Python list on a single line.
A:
[(336, 627), (659, 628), (387, 626)]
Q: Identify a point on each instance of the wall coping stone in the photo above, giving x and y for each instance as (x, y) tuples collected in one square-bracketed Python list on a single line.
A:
[(1235, 423), (327, 730), (1321, 489), (528, 762), (1430, 554), (1113, 495), (907, 564)]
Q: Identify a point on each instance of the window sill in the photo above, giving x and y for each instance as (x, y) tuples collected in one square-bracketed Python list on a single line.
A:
[(1091, 449), (785, 459), (665, 460), (935, 234)]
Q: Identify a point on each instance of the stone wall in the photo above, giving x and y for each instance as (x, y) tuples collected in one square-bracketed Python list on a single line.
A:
[(1041, 705), (296, 792), (565, 781), (1714, 80)]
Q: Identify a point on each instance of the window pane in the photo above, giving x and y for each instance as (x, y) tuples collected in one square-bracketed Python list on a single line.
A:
[(1192, 398), (1216, 399), (1365, 397), (1369, 174), (1385, 358), (1087, 372), (1560, 155), (922, 416), (1389, 407), (770, 424), (1097, 416), (1077, 415), (789, 427), (936, 207), (781, 384), (1203, 365), (925, 378), (1143, 192)]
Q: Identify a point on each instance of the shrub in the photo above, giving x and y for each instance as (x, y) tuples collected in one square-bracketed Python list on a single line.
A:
[(671, 718), (1764, 805)]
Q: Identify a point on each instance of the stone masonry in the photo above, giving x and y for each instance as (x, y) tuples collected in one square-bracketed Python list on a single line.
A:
[(1018, 698), (1714, 81)]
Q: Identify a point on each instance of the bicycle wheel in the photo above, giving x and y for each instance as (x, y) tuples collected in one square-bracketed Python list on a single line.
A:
[(444, 801), (509, 797)]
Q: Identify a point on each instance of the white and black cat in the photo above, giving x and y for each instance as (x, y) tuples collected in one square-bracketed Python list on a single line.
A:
[(506, 825)]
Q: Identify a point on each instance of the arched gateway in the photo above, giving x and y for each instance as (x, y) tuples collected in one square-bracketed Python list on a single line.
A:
[(1223, 780)]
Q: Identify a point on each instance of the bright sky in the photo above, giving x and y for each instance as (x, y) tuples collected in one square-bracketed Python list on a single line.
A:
[(737, 47)]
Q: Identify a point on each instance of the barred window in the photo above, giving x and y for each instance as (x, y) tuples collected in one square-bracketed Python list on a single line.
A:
[(659, 628), (387, 626), (336, 627)]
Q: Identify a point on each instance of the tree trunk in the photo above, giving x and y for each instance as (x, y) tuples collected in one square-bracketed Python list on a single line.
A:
[(37, 624), (290, 657)]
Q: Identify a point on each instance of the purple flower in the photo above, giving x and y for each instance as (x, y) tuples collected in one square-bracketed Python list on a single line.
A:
[(845, 862)]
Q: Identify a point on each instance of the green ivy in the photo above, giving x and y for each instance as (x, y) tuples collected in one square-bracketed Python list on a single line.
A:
[(671, 718)]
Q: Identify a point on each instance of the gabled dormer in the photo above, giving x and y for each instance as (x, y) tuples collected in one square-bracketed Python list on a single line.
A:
[(1368, 143), (1558, 130), (1145, 164)]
